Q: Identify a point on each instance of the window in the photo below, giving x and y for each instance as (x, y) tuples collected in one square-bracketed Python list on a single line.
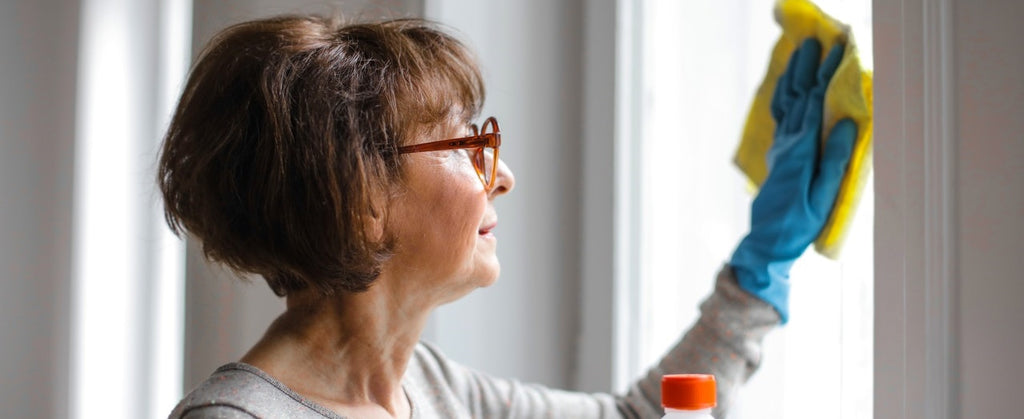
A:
[(696, 77), (128, 295)]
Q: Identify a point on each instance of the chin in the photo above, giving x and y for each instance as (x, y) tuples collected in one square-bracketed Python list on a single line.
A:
[(489, 278), (486, 268), (482, 279), (488, 282)]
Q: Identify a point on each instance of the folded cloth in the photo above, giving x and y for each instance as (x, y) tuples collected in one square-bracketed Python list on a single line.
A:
[(848, 96)]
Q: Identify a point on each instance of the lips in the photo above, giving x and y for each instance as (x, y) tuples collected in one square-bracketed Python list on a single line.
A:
[(486, 228)]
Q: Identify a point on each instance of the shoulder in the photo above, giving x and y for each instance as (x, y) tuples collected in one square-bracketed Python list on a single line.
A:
[(240, 390), (427, 356), (428, 367), (216, 412), (437, 386)]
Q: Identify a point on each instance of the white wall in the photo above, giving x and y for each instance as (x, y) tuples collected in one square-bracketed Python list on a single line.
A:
[(38, 40), (989, 74)]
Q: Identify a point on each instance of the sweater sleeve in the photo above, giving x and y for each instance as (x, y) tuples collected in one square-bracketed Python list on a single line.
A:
[(725, 341), (217, 412)]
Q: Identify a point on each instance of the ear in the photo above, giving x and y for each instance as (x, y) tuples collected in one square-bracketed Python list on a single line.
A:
[(374, 222), (376, 219)]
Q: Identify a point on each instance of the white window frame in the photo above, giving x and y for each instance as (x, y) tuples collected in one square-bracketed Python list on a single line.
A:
[(915, 261), (607, 255)]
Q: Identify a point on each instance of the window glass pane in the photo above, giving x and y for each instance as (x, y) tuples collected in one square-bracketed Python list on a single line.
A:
[(701, 63)]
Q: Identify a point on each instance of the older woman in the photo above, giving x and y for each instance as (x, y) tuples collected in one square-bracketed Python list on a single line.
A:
[(339, 163)]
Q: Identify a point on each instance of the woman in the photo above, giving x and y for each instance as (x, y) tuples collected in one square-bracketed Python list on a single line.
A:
[(339, 162)]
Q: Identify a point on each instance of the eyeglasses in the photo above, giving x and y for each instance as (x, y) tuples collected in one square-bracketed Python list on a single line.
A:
[(484, 144)]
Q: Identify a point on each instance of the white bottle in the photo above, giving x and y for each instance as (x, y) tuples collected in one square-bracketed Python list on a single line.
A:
[(688, 396)]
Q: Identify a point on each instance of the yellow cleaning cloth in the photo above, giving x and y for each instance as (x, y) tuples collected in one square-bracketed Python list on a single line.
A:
[(848, 96)]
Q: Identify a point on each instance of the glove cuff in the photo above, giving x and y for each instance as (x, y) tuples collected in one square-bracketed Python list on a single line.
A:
[(767, 280)]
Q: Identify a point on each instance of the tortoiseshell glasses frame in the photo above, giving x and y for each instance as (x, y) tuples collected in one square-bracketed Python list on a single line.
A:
[(485, 143)]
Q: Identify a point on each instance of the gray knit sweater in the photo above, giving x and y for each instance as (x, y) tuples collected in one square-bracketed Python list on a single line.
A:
[(725, 341)]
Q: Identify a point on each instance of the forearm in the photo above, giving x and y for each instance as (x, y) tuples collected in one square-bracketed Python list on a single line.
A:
[(725, 341)]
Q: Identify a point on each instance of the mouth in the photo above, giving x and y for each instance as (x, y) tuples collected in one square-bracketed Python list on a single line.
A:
[(487, 228)]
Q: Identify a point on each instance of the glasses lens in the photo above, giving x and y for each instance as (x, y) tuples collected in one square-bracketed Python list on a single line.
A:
[(483, 159), (487, 154)]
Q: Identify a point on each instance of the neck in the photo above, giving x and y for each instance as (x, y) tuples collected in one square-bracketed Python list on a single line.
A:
[(348, 351)]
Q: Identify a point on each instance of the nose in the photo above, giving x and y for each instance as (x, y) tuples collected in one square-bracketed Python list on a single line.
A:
[(504, 182)]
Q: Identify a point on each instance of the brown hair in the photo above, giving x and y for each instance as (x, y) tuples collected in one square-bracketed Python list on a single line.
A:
[(285, 139)]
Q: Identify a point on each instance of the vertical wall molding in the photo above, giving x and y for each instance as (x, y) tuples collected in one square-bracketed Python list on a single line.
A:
[(626, 282), (916, 332), (599, 361), (940, 244)]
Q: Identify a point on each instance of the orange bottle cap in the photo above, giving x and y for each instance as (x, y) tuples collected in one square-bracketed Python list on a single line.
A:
[(688, 391)]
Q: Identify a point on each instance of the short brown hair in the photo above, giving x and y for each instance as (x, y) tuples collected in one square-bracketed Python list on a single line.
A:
[(287, 134)]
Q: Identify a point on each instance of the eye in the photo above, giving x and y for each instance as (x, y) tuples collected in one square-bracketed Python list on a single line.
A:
[(461, 155)]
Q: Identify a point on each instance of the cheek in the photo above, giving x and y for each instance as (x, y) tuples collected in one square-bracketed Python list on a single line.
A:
[(461, 210), (459, 194), (443, 211)]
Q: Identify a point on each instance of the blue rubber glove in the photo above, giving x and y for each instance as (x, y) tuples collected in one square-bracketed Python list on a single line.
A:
[(797, 196)]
